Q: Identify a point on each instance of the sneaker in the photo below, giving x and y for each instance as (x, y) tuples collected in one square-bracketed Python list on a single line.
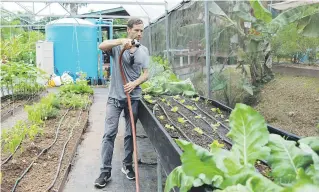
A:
[(129, 172), (103, 179)]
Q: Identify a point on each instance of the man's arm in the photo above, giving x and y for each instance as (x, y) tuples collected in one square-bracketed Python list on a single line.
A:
[(107, 45), (131, 85), (142, 78)]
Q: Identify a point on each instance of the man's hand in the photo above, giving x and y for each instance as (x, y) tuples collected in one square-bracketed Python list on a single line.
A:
[(130, 86), (126, 41)]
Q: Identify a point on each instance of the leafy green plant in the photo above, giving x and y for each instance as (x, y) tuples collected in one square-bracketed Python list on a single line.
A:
[(163, 81), (293, 168), (20, 78), (75, 101), (198, 130), (169, 126), (174, 109), (181, 120)]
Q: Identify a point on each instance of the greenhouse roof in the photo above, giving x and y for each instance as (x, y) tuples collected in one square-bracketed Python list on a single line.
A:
[(148, 10)]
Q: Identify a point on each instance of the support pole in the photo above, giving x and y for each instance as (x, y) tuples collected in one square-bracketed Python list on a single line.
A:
[(167, 32), (159, 175), (207, 50), (150, 36), (101, 52)]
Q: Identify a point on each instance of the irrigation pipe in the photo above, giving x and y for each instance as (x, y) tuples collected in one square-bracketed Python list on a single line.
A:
[(190, 122), (212, 117), (11, 155), (63, 150), (179, 130), (43, 151)]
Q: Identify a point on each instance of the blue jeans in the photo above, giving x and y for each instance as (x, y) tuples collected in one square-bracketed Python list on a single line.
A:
[(114, 108)]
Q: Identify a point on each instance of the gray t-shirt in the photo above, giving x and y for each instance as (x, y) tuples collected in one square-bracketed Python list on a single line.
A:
[(131, 71)]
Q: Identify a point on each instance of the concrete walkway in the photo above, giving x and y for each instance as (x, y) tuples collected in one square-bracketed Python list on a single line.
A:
[(87, 161)]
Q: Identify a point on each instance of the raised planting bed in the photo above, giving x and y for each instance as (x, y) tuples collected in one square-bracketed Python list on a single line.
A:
[(39, 164), (198, 121), (37, 153)]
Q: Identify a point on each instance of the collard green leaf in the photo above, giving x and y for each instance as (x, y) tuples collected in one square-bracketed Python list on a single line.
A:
[(303, 184), (235, 188), (196, 156), (314, 168), (313, 142), (177, 178), (249, 134), (285, 159), (252, 180)]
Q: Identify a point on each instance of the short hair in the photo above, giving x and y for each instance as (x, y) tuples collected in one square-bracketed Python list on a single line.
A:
[(134, 21)]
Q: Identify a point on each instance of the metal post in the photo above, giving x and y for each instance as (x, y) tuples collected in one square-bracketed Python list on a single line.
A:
[(159, 175), (101, 52), (207, 49), (150, 36), (166, 30)]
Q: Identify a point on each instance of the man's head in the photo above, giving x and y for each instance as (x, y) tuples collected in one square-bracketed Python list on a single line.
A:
[(135, 29)]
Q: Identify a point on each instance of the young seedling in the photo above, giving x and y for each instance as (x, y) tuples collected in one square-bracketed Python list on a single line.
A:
[(198, 116), (163, 99), (196, 99), (191, 107), (182, 101), (161, 117), (146, 97), (213, 109), (169, 126), (181, 120), (198, 130), (216, 144), (176, 97), (174, 109)]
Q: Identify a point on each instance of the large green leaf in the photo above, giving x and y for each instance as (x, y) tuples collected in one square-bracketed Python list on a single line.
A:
[(186, 176), (285, 159), (249, 134), (312, 27), (235, 188), (260, 11), (313, 142), (196, 156), (294, 14), (303, 184), (177, 178), (252, 180), (315, 166), (241, 9), (227, 161)]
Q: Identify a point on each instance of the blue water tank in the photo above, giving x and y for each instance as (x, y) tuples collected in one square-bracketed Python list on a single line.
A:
[(75, 46)]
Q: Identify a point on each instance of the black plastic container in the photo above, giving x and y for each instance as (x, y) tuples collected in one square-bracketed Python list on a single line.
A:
[(168, 151)]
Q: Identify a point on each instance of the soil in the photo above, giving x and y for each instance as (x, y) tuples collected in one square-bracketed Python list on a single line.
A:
[(209, 134), (43, 171), (305, 66), (292, 104)]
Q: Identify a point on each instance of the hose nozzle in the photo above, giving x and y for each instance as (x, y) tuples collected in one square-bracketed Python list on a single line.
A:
[(136, 43)]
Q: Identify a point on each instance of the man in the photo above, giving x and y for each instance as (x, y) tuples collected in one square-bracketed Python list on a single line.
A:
[(134, 61)]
